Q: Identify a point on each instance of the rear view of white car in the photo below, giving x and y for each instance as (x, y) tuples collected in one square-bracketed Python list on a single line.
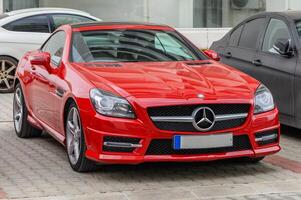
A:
[(25, 30)]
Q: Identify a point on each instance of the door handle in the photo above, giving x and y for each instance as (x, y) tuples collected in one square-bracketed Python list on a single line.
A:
[(228, 55), (257, 62)]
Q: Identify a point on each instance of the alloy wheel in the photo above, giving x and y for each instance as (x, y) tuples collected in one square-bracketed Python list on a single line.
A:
[(73, 137), (18, 110), (7, 75)]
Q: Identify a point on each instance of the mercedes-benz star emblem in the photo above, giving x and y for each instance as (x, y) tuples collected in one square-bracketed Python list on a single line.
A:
[(203, 118)]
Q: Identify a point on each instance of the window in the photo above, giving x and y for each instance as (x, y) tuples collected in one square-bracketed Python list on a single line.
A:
[(30, 24), (250, 33), (55, 46), (234, 38), (277, 29), (298, 27), (130, 46), (61, 19), (167, 43)]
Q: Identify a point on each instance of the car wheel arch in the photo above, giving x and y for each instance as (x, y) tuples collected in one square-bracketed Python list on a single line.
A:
[(12, 57), (68, 102), (16, 82)]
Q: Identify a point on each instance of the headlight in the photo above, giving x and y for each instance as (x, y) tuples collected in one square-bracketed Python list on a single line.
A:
[(263, 100), (109, 104)]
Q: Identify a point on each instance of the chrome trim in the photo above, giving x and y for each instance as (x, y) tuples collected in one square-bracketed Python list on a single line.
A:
[(121, 144), (266, 138), (190, 118), (230, 116), (172, 119)]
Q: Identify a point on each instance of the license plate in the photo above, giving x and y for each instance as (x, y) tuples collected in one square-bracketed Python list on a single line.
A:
[(202, 141)]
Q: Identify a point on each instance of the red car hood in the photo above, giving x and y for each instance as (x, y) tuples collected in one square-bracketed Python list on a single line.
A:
[(177, 80)]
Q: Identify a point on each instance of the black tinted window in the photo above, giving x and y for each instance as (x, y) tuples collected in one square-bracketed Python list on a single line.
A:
[(276, 30), (251, 33), (29, 24), (235, 36), (130, 46), (298, 27), (61, 19), (55, 46)]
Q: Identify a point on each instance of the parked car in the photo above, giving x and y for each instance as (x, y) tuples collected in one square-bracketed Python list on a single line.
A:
[(132, 93), (25, 30), (267, 47)]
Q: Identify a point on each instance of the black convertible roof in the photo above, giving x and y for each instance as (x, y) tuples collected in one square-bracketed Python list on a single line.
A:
[(79, 25)]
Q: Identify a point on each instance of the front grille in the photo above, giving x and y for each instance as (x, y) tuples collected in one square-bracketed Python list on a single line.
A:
[(121, 140), (165, 147), (188, 127), (187, 110)]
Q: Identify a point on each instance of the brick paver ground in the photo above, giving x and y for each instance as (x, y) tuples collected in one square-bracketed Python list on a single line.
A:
[(38, 169)]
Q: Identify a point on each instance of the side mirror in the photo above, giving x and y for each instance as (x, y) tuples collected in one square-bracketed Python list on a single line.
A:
[(284, 47), (41, 58), (212, 54)]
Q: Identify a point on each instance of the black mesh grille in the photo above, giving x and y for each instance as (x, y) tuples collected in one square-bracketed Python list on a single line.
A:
[(187, 110), (165, 147), (188, 127), (267, 133), (120, 139)]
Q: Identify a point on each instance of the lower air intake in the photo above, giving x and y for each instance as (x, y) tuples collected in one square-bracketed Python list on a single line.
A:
[(165, 147)]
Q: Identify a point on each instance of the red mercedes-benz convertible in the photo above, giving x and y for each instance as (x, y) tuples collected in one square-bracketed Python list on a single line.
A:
[(131, 93)]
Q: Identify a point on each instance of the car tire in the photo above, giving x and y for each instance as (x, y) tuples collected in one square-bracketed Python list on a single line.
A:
[(8, 68), (75, 142), (23, 128)]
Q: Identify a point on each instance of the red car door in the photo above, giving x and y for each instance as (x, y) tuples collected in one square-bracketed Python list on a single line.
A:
[(57, 91), (48, 93), (38, 91)]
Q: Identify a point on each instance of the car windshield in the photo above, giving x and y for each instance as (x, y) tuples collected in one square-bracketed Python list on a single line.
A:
[(130, 46)]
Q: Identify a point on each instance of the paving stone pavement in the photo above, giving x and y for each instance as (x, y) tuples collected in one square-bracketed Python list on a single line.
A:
[(37, 169)]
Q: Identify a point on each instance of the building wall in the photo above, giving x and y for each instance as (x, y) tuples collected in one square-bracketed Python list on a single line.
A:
[(129, 10), (203, 37), (1, 6), (177, 13)]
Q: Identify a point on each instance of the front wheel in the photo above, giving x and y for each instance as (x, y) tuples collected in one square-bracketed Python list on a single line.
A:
[(75, 142), (23, 128)]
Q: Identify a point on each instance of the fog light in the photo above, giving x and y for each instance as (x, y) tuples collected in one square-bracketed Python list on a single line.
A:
[(120, 144), (267, 137)]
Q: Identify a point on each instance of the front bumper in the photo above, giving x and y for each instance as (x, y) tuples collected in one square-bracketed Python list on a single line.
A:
[(96, 127)]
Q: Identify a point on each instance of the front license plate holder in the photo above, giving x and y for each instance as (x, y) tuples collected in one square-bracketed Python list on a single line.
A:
[(202, 141)]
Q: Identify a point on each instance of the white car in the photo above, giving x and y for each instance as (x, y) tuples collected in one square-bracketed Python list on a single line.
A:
[(27, 29)]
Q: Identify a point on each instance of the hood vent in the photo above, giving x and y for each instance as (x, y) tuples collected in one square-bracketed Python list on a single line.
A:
[(103, 65), (198, 63)]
